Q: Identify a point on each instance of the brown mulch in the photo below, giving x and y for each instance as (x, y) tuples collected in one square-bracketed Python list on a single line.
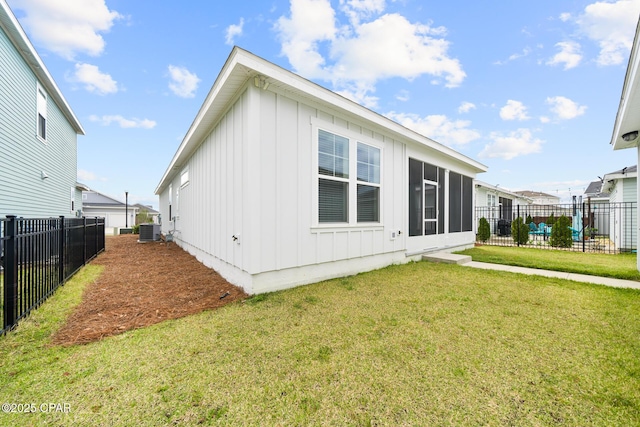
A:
[(143, 284)]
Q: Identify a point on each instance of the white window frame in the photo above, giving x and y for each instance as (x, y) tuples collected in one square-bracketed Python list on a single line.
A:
[(354, 139), (41, 110), (184, 177)]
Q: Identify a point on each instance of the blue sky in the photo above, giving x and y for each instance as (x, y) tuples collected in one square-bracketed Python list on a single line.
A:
[(530, 89)]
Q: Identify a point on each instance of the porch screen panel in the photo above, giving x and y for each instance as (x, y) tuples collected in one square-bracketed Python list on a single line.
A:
[(455, 202), (467, 203), (415, 198), (441, 198)]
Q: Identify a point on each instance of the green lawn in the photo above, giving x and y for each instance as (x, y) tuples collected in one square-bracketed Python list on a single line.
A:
[(419, 344), (619, 266)]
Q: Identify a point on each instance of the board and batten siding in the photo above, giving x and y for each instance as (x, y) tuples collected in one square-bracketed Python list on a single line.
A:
[(23, 157), (252, 177)]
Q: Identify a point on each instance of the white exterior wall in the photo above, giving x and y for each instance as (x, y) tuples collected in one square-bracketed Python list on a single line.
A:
[(255, 177)]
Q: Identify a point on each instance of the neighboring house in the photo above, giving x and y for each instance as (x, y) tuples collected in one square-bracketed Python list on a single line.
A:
[(627, 123), (38, 132), (539, 198), (117, 214), (596, 200), (280, 182), (495, 203), (622, 186), (595, 192)]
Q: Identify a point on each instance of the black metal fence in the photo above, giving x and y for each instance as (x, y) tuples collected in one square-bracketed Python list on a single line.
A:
[(39, 255), (595, 226)]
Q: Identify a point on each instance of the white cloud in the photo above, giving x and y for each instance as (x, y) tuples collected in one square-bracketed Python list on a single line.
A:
[(84, 176), (564, 108), (124, 123), (183, 82), (438, 127), (569, 55), (233, 31), (93, 79), (544, 119), (369, 48), (514, 110), (513, 144), (64, 29), (612, 26), (564, 17), (525, 52), (466, 106)]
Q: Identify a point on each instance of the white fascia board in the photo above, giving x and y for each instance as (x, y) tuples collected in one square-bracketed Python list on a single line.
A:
[(628, 115), (242, 63), (19, 38)]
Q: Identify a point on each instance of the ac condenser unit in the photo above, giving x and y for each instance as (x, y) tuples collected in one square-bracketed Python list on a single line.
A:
[(149, 232)]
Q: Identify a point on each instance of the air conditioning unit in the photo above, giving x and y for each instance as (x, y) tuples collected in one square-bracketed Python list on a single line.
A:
[(149, 232)]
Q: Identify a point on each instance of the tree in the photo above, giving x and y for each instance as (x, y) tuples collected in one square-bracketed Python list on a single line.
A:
[(529, 220), (484, 230), (551, 220), (561, 236), (520, 231), (143, 217)]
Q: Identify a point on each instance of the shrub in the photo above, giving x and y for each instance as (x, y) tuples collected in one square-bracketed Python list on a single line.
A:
[(529, 220), (484, 231), (551, 220), (561, 236), (136, 229), (520, 231)]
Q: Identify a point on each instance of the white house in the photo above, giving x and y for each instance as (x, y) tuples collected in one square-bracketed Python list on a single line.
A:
[(495, 203), (627, 123), (281, 182), (38, 132), (539, 198), (622, 186), (116, 214)]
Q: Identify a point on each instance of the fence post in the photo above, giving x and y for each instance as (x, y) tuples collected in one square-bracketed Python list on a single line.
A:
[(518, 231), (11, 271), (84, 240), (61, 254), (584, 227)]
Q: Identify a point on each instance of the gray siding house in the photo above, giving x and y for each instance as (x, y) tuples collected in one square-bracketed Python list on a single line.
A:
[(38, 132)]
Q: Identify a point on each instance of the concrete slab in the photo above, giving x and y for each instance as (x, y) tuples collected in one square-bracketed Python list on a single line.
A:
[(606, 281), (447, 258)]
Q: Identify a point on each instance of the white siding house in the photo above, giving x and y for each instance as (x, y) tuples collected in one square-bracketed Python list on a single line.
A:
[(627, 123), (280, 182), (495, 203), (622, 188), (38, 132)]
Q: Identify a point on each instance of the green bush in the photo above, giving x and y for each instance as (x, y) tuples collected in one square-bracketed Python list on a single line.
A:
[(484, 230), (529, 220), (520, 231), (551, 220), (561, 236), (136, 229)]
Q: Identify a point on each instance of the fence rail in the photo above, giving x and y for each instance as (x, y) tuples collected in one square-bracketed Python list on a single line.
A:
[(39, 255), (595, 227)]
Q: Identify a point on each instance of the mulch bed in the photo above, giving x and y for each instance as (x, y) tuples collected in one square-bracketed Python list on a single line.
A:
[(143, 284)]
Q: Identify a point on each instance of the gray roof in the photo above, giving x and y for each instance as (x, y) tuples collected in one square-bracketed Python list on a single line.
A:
[(627, 169), (594, 190), (533, 194)]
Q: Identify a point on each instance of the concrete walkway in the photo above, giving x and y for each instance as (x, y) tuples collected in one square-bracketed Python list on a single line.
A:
[(466, 261)]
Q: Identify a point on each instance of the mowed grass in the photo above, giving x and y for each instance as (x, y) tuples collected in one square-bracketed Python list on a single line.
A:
[(416, 344), (619, 266)]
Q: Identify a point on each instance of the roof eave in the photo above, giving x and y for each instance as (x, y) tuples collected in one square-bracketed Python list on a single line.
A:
[(242, 61), (12, 27), (628, 117)]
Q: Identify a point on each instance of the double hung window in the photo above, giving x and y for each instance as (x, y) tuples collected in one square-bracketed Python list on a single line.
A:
[(41, 118), (348, 180)]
